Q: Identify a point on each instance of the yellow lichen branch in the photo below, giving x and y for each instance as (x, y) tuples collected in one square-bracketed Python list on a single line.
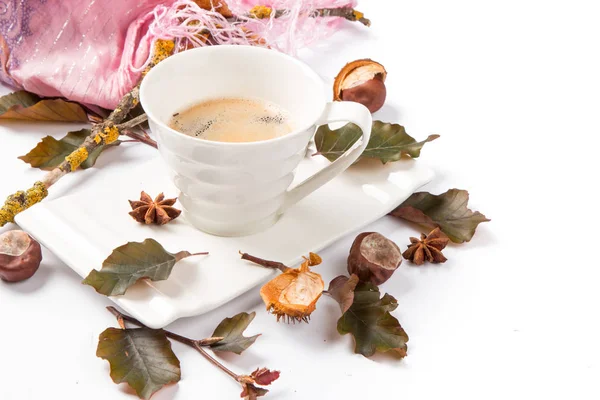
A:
[(162, 50), (348, 13), (76, 158), (260, 12), (110, 134), (106, 132), (20, 201)]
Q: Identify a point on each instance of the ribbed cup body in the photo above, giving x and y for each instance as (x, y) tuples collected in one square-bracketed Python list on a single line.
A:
[(232, 191)]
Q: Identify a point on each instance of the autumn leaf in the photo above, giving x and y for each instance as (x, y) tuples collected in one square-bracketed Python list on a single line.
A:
[(369, 321), (142, 357), (448, 211), (341, 289), (49, 153), (231, 330), (264, 376), (389, 142), (251, 392), (131, 262), (27, 106), (261, 376)]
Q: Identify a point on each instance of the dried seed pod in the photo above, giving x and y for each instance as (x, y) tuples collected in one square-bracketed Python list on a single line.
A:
[(294, 293), (374, 258), (361, 81), (20, 256)]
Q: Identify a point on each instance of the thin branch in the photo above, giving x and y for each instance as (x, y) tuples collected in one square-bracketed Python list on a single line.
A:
[(132, 122), (265, 263), (344, 12), (142, 139), (196, 344), (263, 12)]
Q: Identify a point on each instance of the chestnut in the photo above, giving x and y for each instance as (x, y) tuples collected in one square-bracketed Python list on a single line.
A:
[(373, 258), (20, 256), (362, 81)]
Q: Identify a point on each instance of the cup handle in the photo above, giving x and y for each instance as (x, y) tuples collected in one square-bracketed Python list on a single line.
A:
[(343, 111)]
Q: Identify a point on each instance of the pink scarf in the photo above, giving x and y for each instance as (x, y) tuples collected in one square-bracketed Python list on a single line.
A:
[(93, 51)]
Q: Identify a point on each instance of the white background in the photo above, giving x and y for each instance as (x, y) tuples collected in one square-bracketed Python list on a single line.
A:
[(513, 88)]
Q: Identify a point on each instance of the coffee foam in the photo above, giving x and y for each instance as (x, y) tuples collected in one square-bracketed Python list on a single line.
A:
[(233, 120)]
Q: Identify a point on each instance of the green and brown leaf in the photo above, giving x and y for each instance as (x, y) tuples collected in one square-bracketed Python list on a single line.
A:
[(141, 357), (448, 211), (369, 321), (131, 262), (27, 106), (231, 330), (49, 153), (389, 142), (341, 289)]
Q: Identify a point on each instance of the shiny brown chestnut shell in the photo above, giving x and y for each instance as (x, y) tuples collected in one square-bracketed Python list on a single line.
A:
[(374, 258), (362, 81), (20, 256)]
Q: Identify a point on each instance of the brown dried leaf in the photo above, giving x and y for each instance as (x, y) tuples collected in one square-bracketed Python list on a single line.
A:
[(251, 392), (448, 211), (131, 262), (341, 289), (49, 153), (141, 357), (264, 376), (231, 330), (369, 321), (26, 106), (388, 143)]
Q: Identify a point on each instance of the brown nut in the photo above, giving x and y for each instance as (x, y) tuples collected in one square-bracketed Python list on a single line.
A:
[(362, 81), (374, 258), (20, 256)]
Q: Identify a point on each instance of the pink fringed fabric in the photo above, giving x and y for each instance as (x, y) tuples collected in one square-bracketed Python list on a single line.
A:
[(93, 51), (87, 51), (184, 21), (295, 29)]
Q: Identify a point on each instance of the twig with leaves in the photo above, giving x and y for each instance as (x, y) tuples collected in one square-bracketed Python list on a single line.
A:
[(149, 370)]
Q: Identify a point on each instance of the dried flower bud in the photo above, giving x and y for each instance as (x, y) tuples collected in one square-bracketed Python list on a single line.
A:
[(20, 256), (361, 81), (373, 257), (294, 293)]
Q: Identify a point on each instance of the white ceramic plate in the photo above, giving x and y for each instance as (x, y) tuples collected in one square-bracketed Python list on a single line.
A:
[(83, 229)]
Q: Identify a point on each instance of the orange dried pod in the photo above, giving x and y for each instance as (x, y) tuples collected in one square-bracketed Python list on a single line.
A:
[(362, 81), (293, 295)]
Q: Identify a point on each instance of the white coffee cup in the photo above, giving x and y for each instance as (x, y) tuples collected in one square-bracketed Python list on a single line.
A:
[(236, 189)]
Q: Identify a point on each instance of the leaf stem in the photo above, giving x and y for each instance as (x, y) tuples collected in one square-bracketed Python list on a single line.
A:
[(139, 138), (265, 263), (196, 344), (214, 361)]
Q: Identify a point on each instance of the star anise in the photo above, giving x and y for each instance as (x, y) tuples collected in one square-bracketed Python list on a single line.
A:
[(429, 248), (158, 211)]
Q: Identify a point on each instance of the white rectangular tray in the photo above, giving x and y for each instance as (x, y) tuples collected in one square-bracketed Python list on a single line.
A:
[(83, 229)]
